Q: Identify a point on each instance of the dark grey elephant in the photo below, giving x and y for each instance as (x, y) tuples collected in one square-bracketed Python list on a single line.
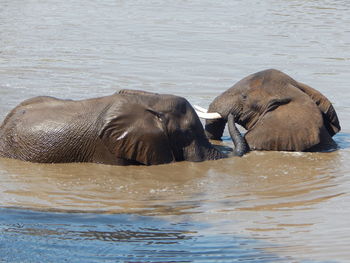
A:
[(278, 113), (131, 127)]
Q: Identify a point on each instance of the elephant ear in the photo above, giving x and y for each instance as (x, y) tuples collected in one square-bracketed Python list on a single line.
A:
[(330, 117), (295, 125), (138, 134)]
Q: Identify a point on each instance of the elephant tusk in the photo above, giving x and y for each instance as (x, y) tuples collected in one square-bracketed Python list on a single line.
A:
[(204, 114), (208, 116), (199, 108)]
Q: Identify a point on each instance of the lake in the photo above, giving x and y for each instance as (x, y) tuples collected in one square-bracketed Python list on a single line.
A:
[(264, 207)]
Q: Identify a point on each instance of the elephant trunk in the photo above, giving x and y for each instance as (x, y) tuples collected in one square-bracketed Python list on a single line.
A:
[(241, 145)]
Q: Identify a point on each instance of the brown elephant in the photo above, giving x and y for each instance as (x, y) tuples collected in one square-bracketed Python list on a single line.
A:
[(278, 113), (129, 127)]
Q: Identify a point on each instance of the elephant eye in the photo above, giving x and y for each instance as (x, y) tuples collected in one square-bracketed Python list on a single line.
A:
[(161, 117)]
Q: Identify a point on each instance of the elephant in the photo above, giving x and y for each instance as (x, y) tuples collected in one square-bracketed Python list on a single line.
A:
[(278, 113), (129, 127)]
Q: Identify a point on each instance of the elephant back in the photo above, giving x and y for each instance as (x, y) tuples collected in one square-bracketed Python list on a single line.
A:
[(45, 130)]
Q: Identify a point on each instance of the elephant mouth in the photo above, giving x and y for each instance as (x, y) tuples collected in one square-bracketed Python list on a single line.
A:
[(247, 120)]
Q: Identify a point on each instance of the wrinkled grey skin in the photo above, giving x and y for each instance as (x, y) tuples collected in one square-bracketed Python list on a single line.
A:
[(278, 113), (132, 127)]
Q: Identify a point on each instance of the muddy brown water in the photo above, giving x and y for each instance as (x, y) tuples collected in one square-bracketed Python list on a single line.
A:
[(264, 207)]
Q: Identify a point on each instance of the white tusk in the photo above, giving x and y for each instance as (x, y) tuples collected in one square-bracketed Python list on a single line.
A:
[(208, 116), (199, 108)]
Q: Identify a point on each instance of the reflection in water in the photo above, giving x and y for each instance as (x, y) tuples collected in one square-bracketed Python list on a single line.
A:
[(127, 238)]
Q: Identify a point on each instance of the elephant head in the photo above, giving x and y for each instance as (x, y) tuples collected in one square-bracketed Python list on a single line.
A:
[(129, 127), (278, 113), (159, 128)]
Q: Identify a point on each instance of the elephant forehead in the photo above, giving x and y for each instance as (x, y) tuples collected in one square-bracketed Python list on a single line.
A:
[(273, 87), (255, 82), (271, 77), (173, 104), (256, 89)]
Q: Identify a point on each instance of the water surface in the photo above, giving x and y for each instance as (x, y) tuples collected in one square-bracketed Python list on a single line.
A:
[(264, 207)]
